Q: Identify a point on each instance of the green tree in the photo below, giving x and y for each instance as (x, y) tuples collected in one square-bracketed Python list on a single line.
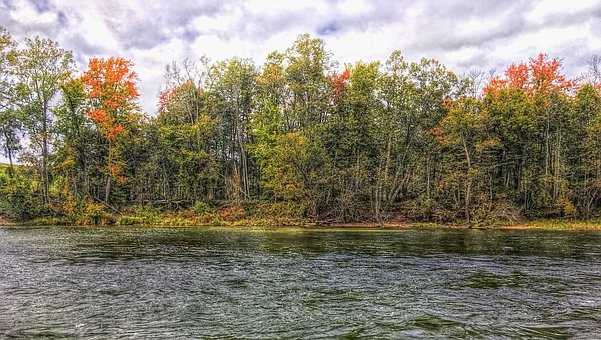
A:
[(42, 67), (463, 128), (231, 91), (10, 124), (413, 97), (347, 139), (77, 143), (586, 148)]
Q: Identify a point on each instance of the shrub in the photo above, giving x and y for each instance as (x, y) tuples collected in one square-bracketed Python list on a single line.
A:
[(18, 199), (493, 213), (231, 213), (422, 209), (144, 214), (129, 220), (567, 208), (93, 213), (201, 207), (285, 209)]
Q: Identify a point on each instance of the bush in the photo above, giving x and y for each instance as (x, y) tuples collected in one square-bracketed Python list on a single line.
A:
[(18, 199), (422, 209), (93, 213), (231, 213), (143, 214), (493, 213), (279, 210), (129, 220), (201, 207), (566, 207)]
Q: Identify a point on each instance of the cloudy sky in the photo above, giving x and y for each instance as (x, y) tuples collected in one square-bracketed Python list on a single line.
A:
[(463, 34)]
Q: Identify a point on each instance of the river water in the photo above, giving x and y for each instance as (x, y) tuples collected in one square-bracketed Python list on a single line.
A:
[(286, 283)]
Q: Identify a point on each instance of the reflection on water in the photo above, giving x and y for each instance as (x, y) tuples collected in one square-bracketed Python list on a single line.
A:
[(230, 283)]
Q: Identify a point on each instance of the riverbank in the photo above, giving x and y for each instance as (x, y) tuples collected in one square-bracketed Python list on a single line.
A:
[(555, 224), (190, 220)]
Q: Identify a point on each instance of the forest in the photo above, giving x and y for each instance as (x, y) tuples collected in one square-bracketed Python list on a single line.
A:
[(300, 137)]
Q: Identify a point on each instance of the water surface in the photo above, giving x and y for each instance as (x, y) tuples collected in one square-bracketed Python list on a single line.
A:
[(236, 283)]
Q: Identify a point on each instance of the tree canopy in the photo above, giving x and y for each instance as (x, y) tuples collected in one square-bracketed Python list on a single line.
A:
[(299, 136)]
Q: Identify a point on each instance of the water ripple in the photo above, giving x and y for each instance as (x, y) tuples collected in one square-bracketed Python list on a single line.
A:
[(224, 283)]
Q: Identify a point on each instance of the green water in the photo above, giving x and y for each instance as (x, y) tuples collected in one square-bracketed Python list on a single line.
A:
[(236, 283)]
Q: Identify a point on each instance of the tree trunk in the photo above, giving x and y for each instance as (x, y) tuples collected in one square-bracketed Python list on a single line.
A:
[(45, 151), (107, 189), (243, 166), (10, 162), (9, 154), (468, 183), (107, 186), (382, 180), (547, 151)]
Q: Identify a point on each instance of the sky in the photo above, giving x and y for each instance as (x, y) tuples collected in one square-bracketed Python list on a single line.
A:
[(463, 34)]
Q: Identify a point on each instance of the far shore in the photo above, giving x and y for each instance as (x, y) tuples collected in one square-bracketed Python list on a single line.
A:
[(538, 224)]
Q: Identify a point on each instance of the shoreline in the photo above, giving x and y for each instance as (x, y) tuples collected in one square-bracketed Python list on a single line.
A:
[(537, 224)]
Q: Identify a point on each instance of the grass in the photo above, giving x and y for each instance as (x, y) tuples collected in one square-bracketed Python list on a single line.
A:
[(237, 216), (187, 219), (557, 224)]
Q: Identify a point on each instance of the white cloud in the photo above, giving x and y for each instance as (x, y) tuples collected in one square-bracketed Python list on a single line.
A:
[(462, 34), (545, 8)]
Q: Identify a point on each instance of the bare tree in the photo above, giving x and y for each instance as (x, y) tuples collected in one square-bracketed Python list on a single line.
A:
[(594, 70)]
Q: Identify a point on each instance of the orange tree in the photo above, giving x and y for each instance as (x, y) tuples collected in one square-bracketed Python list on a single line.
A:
[(111, 87)]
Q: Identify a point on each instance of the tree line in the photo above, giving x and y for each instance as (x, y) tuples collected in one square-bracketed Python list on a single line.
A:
[(300, 136)]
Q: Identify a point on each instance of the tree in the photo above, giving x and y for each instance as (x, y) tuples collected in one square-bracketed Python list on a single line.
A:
[(464, 127), (231, 92), (348, 141), (307, 64), (41, 69), (76, 140), (111, 86), (586, 147), (593, 76), (183, 157), (413, 97), (10, 124), (7, 61)]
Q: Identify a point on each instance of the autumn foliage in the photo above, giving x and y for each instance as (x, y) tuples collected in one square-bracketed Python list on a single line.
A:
[(112, 85), (339, 82), (111, 81), (299, 137), (539, 75), (168, 96), (164, 98)]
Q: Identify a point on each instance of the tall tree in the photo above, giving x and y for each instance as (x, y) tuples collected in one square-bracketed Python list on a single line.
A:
[(413, 96), (9, 122), (76, 138), (349, 140), (585, 147), (41, 69), (536, 126), (184, 157), (307, 65), (232, 88), (462, 129), (111, 86)]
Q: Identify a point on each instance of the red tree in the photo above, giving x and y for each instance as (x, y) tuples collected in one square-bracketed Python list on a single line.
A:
[(339, 82), (540, 75)]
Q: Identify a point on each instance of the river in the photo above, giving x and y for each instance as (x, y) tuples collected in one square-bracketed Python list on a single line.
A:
[(297, 283)]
